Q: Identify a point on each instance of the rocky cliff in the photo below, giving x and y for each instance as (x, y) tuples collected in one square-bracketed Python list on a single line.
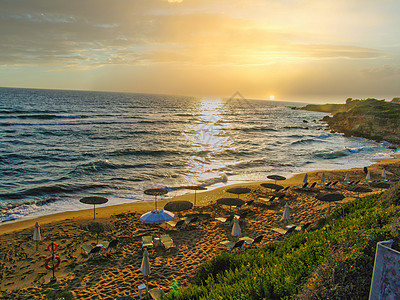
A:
[(373, 119)]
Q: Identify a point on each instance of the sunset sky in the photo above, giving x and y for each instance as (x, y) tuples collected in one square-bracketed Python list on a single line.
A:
[(260, 48)]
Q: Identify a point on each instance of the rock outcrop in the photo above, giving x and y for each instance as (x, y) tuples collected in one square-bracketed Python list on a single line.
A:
[(373, 119)]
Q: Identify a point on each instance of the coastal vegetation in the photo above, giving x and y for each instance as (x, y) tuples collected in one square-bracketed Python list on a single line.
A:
[(371, 118), (333, 260)]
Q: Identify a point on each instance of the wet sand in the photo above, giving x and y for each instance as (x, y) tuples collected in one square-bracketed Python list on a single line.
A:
[(23, 275)]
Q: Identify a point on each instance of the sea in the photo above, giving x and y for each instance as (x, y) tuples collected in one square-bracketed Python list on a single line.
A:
[(58, 146)]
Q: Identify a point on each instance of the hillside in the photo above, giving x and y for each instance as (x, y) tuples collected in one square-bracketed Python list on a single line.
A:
[(373, 119), (334, 260)]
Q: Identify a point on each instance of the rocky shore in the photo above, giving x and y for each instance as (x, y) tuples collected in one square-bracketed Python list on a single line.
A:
[(373, 119)]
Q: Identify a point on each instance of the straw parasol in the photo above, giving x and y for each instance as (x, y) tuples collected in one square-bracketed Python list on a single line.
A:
[(381, 185), (36, 234), (238, 191), (276, 177), (360, 189), (330, 197), (305, 179), (195, 188), (94, 200), (156, 192), (157, 216), (384, 174), (347, 177), (272, 186), (97, 228), (177, 206), (368, 177), (323, 177), (286, 212), (145, 266), (236, 230), (230, 201)]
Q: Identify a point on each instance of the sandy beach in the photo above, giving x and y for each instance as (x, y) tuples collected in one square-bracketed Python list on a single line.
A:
[(23, 275)]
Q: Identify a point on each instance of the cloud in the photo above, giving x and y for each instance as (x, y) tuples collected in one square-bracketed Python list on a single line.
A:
[(381, 71)]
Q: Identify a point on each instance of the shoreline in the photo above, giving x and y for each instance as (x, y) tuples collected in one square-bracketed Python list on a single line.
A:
[(118, 273), (203, 198)]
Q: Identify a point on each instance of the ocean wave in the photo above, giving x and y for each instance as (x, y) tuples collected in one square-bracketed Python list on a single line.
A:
[(294, 127), (307, 141), (256, 129), (50, 190), (338, 153), (153, 153)]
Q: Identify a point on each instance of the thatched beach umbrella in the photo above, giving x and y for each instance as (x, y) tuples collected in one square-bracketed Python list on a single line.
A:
[(230, 201), (236, 230), (238, 191), (97, 228), (305, 179), (368, 177), (360, 189), (286, 212), (177, 206), (156, 192), (157, 216), (195, 188), (36, 234), (276, 177), (323, 177), (145, 266), (384, 175), (272, 186), (94, 200), (330, 197), (381, 185)]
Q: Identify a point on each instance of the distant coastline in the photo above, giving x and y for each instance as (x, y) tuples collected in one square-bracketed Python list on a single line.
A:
[(373, 119)]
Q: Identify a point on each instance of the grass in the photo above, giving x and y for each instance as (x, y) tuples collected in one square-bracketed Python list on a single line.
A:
[(333, 261)]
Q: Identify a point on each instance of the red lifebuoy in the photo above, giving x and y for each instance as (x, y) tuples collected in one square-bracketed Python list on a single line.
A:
[(55, 246), (46, 264)]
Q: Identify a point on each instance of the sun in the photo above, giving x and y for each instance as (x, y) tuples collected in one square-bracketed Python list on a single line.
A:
[(272, 97)]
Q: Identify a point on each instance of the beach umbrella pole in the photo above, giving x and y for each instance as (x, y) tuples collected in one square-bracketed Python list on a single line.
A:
[(94, 211)]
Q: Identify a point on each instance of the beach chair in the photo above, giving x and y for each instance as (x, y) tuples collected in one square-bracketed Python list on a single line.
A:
[(285, 189), (177, 225), (91, 251), (156, 293), (191, 220), (110, 246), (288, 231), (167, 241), (252, 242), (250, 202), (303, 187), (303, 227), (312, 186), (227, 220), (233, 245), (269, 202), (147, 241)]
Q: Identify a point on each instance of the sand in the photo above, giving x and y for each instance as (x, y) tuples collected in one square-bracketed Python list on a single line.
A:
[(22, 271)]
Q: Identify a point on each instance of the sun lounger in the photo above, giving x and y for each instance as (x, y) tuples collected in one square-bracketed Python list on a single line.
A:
[(312, 186), (303, 227), (91, 251), (177, 225), (147, 241), (285, 231), (110, 246), (191, 220), (252, 242), (270, 201), (233, 245), (227, 220), (303, 187), (156, 293), (250, 202), (167, 241)]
